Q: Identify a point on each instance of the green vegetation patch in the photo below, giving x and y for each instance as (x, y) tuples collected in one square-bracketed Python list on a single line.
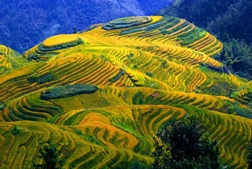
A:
[(2, 105), (87, 137), (47, 77), (236, 108), (43, 48), (126, 22), (208, 68), (138, 98), (221, 87), (192, 36), (128, 128), (175, 28), (147, 28), (67, 90), (117, 77)]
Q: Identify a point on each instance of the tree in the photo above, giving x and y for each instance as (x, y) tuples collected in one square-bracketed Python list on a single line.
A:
[(50, 157), (182, 145)]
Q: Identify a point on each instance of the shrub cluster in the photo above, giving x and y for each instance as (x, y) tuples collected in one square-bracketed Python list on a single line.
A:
[(2, 105), (43, 48), (47, 77), (67, 90), (126, 22)]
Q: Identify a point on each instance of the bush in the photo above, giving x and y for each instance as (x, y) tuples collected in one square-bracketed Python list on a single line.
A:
[(2, 105), (117, 77), (50, 157), (47, 77), (16, 130), (67, 90)]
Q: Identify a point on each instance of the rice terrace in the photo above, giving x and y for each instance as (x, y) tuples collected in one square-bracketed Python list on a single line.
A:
[(102, 95)]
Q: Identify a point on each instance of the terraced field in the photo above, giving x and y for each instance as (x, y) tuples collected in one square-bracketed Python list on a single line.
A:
[(102, 95), (9, 59)]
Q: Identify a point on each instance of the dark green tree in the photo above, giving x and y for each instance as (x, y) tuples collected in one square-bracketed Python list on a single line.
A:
[(182, 145), (50, 157)]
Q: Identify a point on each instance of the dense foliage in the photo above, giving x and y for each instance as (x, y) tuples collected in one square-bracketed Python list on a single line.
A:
[(25, 23), (201, 12), (237, 56), (229, 21), (68, 90), (50, 157), (182, 145), (235, 23)]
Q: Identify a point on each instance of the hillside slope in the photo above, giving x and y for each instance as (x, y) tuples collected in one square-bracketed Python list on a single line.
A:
[(102, 95), (228, 20)]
